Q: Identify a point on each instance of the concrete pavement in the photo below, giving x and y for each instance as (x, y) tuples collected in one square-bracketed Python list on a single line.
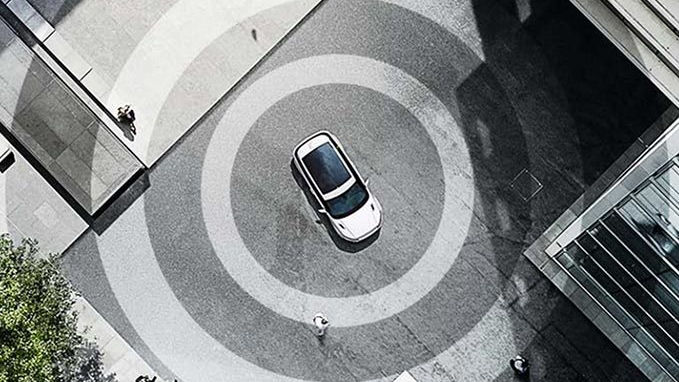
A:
[(118, 357), (153, 56), (213, 272), (29, 207)]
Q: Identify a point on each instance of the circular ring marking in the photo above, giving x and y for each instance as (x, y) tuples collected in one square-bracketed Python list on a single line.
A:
[(148, 324), (138, 283), (148, 89), (380, 77)]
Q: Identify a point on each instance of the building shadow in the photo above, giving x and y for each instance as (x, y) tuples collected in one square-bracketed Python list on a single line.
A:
[(127, 194), (597, 104)]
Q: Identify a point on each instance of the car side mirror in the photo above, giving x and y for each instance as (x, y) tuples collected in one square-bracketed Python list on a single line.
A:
[(322, 211), (367, 181)]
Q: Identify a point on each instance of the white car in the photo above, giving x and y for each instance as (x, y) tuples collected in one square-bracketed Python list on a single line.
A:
[(353, 211)]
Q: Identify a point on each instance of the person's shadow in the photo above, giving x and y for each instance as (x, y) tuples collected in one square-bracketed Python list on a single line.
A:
[(126, 128)]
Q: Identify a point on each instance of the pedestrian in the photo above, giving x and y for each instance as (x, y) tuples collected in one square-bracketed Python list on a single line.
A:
[(321, 323), (519, 365), (145, 378), (126, 116)]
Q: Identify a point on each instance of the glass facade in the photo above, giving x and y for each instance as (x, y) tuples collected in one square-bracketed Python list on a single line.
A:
[(629, 262)]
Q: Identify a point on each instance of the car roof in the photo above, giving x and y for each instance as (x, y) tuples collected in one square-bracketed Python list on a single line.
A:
[(321, 157)]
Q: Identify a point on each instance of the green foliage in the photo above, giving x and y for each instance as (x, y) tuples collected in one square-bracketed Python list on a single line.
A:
[(39, 340)]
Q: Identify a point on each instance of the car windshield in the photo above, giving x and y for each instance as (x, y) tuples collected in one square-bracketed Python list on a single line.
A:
[(348, 202), (326, 168)]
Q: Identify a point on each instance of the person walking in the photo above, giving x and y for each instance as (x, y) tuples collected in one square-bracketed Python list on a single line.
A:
[(321, 323), (126, 116), (145, 378), (519, 365)]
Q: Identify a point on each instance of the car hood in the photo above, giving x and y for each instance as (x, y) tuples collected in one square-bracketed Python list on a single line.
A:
[(362, 222)]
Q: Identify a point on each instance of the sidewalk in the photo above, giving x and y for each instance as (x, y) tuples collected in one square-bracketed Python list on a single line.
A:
[(29, 207), (118, 356), (171, 60)]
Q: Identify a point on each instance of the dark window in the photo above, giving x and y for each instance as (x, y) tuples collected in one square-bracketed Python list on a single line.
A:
[(634, 267), (348, 202), (653, 232), (326, 168), (638, 294), (630, 238)]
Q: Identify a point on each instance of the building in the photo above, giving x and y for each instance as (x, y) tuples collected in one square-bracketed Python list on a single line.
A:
[(615, 252)]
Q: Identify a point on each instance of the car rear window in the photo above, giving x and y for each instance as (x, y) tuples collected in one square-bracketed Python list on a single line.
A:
[(347, 203), (326, 168)]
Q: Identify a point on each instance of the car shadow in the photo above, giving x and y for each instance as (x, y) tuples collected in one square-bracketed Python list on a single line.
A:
[(340, 243)]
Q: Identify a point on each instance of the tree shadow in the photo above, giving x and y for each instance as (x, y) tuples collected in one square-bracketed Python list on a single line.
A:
[(87, 365)]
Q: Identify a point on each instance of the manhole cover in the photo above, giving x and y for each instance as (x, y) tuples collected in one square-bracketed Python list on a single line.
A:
[(526, 185)]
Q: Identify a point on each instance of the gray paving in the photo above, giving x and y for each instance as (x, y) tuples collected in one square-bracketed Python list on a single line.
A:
[(103, 33), (160, 281)]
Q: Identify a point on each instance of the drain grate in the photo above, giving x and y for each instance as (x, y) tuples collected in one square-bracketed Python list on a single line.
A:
[(526, 185)]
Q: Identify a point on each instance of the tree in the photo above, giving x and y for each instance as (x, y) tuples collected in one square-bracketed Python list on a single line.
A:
[(39, 340)]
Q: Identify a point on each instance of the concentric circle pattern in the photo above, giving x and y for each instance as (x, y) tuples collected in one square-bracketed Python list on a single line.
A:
[(233, 251), (428, 110), (396, 155)]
